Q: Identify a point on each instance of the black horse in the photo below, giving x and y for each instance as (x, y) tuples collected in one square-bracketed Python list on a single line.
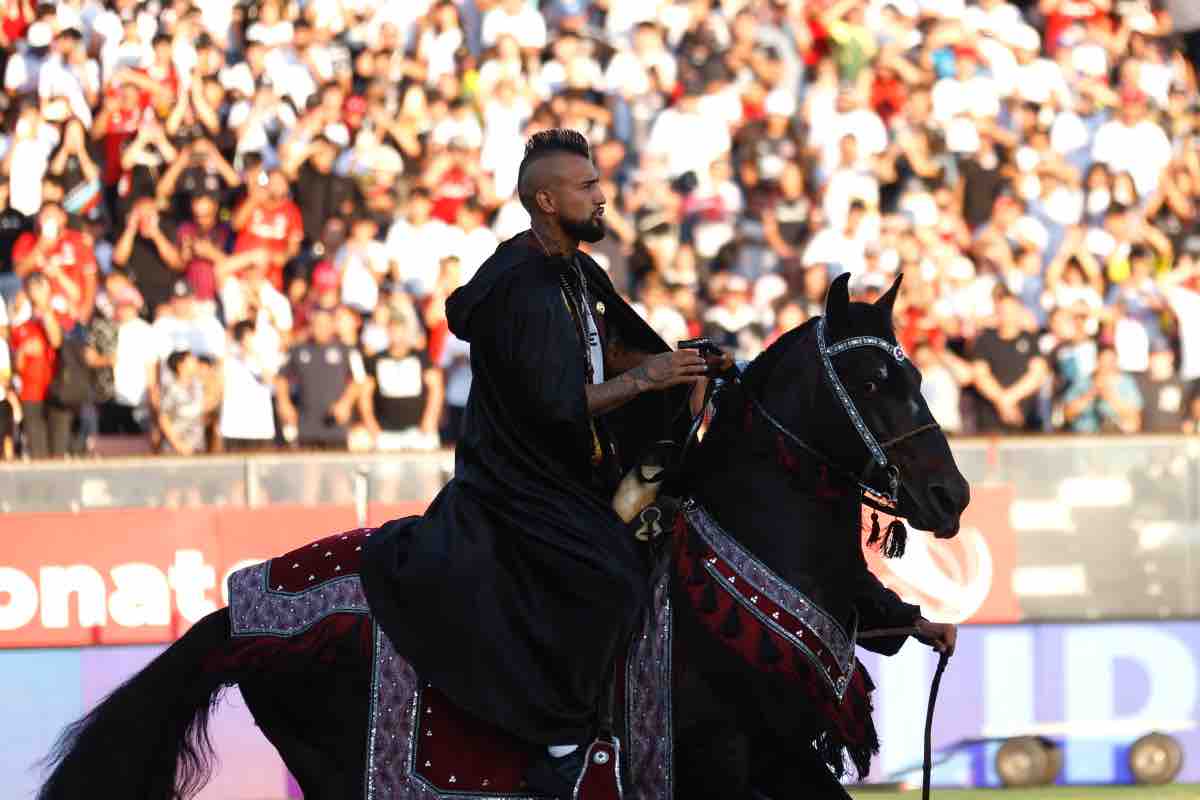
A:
[(767, 582)]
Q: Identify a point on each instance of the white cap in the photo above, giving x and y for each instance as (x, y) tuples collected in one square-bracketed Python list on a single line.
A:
[(39, 35), (780, 103)]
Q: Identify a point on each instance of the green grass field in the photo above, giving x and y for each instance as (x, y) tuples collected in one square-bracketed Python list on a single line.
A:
[(1057, 793)]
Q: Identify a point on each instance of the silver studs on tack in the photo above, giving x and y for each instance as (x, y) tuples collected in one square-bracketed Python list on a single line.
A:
[(328, 553), (312, 577), (600, 757), (429, 763), (453, 779), (296, 565)]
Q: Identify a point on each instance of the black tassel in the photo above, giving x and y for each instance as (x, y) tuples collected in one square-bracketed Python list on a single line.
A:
[(732, 626), (895, 539), (874, 537), (708, 598), (698, 575), (768, 653)]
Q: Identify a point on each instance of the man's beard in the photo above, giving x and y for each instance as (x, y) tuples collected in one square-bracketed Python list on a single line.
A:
[(590, 229)]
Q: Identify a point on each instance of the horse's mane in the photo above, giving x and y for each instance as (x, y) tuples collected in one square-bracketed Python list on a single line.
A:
[(757, 372)]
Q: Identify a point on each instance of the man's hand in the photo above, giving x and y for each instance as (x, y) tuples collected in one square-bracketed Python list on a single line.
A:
[(665, 370), (940, 636)]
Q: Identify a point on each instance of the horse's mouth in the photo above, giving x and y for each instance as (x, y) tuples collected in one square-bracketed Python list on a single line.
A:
[(947, 532)]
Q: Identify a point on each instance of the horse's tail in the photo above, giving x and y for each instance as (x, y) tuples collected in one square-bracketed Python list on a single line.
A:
[(148, 739)]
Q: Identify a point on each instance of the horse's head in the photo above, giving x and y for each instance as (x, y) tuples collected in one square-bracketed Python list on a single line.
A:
[(845, 386)]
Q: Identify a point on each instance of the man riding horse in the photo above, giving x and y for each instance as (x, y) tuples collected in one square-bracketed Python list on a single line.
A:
[(516, 590)]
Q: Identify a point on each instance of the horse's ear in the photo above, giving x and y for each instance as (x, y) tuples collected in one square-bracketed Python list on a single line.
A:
[(837, 304), (889, 298)]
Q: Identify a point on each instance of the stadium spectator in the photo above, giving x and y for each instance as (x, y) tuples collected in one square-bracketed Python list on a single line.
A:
[(1164, 395), (146, 250), (268, 220), (247, 422), (64, 257), (1106, 401), (184, 405), (401, 403), (126, 353), (1008, 370), (35, 344), (319, 385)]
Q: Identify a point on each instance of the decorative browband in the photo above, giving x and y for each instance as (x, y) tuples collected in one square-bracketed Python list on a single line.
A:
[(714, 561)]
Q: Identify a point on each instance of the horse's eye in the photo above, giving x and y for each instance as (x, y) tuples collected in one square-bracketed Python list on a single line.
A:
[(870, 387)]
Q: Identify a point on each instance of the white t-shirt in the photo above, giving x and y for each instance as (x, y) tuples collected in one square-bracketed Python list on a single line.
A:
[(31, 158), (246, 401), (456, 361), (202, 336), (419, 251), (57, 80), (868, 130), (1132, 343), (705, 142), (21, 74), (472, 249), (1143, 150), (1041, 79), (1185, 304), (137, 351), (362, 269), (511, 219), (527, 26), (629, 75)]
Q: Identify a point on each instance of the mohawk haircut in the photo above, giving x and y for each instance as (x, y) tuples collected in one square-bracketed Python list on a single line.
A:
[(544, 144)]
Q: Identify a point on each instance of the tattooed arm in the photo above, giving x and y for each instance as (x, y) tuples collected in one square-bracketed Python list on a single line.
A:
[(654, 373)]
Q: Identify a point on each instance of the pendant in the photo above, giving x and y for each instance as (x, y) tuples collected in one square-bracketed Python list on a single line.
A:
[(600, 307)]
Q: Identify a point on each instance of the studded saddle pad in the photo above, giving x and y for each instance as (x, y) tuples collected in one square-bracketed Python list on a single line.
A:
[(419, 745)]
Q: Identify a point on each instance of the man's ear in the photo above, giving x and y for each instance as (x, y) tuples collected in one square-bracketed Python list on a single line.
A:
[(545, 201)]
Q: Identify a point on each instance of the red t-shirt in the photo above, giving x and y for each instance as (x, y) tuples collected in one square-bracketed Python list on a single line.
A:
[(453, 190), (271, 229), (34, 358), (14, 22), (77, 260), (1067, 14), (122, 125)]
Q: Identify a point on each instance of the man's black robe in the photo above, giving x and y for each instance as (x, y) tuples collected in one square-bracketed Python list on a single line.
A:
[(518, 586)]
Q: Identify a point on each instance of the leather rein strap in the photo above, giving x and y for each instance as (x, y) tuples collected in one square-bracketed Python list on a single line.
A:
[(943, 660)]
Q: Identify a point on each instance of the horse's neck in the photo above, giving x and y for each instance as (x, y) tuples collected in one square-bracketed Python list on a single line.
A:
[(813, 542)]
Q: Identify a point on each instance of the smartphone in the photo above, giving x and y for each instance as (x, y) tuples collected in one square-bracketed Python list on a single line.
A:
[(702, 344)]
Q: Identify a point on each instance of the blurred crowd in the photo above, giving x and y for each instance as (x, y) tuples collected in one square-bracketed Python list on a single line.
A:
[(231, 225)]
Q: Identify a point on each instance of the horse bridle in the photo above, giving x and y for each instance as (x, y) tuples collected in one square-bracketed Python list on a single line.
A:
[(887, 500)]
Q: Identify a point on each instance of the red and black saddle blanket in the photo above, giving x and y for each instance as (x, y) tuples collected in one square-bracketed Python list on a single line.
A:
[(420, 746), (776, 629)]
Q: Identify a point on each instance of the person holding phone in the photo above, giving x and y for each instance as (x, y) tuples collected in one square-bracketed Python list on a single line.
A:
[(64, 256), (147, 250)]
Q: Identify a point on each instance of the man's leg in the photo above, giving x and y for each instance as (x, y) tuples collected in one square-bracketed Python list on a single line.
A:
[(35, 430), (59, 420)]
